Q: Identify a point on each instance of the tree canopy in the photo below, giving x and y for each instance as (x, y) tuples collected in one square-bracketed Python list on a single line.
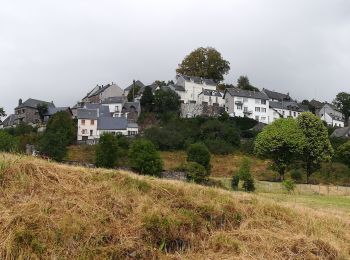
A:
[(147, 100), (2, 112), (133, 92), (166, 101), (206, 63), (342, 102), (281, 142), (243, 83), (343, 153), (317, 147), (107, 151), (42, 110)]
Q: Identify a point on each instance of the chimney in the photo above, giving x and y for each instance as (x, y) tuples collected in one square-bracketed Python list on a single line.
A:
[(20, 102)]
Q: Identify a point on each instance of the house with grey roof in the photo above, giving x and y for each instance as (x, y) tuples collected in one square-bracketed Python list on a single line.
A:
[(27, 111), (53, 110), (284, 109), (276, 96), (9, 121), (343, 132), (100, 93), (245, 103), (136, 83), (331, 115)]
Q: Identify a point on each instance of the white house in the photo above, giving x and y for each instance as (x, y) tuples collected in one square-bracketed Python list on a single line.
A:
[(211, 98), (115, 104), (283, 109), (245, 103), (331, 115), (87, 124), (116, 125)]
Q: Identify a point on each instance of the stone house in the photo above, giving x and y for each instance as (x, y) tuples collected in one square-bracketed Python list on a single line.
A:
[(100, 93), (27, 111)]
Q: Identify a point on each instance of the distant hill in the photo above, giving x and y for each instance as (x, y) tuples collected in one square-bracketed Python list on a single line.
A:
[(53, 211)]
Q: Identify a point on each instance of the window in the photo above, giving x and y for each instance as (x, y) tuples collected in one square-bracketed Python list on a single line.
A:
[(263, 102), (84, 131), (245, 100), (290, 113), (263, 110), (91, 132), (257, 109), (83, 122), (295, 114), (239, 107), (257, 101), (257, 118), (92, 122), (245, 109)]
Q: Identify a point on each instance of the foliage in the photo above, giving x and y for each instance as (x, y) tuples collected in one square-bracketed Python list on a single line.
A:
[(144, 158), (342, 102), (147, 100), (165, 139), (214, 129), (317, 147), (235, 181), (107, 151), (8, 143), (243, 123), (2, 112), (60, 132), (281, 142), (196, 172), (219, 146), (343, 153), (42, 110), (243, 83), (166, 101), (248, 184), (296, 175), (206, 63), (199, 153), (133, 92), (289, 185)]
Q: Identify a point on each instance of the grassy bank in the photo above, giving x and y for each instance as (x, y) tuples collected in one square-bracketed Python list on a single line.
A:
[(57, 211)]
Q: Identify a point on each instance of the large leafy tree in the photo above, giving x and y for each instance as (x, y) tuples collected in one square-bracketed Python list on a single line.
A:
[(342, 102), (206, 63), (133, 92), (2, 112), (60, 132), (282, 142), (166, 101), (243, 83), (147, 100), (317, 147), (42, 110)]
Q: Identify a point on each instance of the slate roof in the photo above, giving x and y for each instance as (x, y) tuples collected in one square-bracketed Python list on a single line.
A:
[(276, 95), (199, 80), (127, 105), (316, 104), (209, 92), (112, 123), (133, 125), (103, 111), (341, 132), (246, 93), (178, 88), (9, 121), (288, 105), (83, 113), (137, 83), (32, 103), (113, 100)]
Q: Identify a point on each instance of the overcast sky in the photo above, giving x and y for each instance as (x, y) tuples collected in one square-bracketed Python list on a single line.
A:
[(59, 50)]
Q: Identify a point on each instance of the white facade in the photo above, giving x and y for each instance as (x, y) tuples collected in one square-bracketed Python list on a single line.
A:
[(331, 116), (87, 129), (211, 100), (238, 103)]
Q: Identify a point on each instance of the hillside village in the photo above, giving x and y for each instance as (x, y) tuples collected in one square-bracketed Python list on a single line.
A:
[(106, 108)]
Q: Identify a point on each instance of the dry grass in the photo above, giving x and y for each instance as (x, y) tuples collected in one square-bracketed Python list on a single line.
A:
[(222, 165), (55, 211)]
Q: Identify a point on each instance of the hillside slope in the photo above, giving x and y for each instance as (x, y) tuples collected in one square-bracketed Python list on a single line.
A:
[(49, 210)]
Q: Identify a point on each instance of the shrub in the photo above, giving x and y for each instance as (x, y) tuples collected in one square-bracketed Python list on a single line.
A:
[(235, 182), (296, 175), (219, 147), (196, 172), (8, 143), (245, 175), (289, 185), (199, 153), (144, 158), (248, 184), (107, 151), (343, 153), (165, 139)]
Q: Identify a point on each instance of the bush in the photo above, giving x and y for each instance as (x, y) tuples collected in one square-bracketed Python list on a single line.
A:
[(289, 185), (107, 151), (8, 143), (296, 175), (219, 147), (343, 153), (248, 184), (144, 158), (199, 153), (165, 139), (245, 175), (195, 172), (235, 182)]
